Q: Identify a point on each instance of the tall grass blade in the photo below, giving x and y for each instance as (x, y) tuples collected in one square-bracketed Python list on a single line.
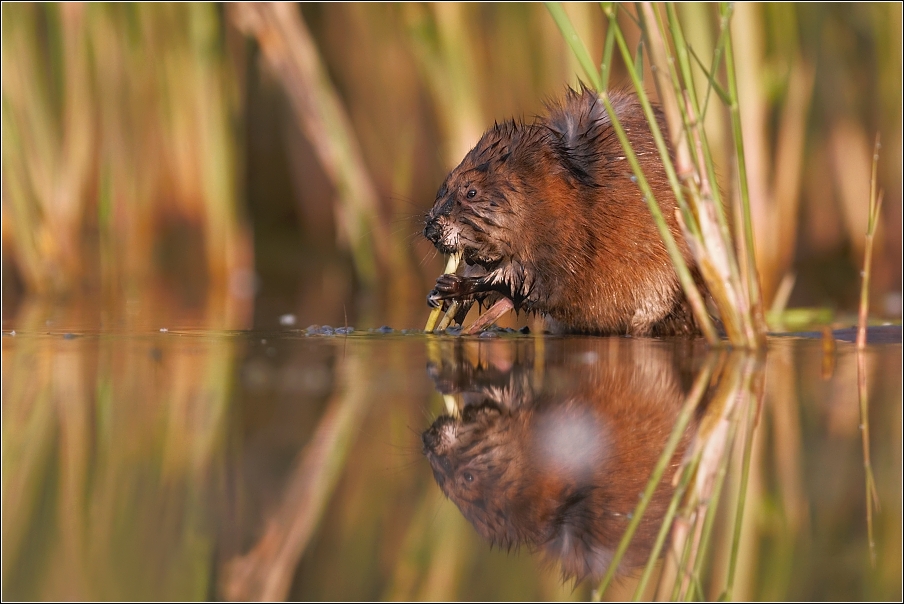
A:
[(608, 45), (875, 205), (575, 43), (745, 242)]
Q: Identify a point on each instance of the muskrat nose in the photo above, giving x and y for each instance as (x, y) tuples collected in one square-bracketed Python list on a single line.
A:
[(432, 231), (430, 438)]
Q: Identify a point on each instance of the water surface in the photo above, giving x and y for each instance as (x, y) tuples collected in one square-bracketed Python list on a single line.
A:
[(167, 460)]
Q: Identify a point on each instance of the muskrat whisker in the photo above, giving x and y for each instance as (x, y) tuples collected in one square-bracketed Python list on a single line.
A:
[(427, 256)]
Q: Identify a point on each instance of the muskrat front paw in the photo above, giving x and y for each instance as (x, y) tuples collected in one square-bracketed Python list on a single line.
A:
[(449, 287)]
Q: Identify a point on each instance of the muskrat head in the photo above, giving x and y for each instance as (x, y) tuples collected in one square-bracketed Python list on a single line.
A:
[(523, 477), (474, 460), (473, 212)]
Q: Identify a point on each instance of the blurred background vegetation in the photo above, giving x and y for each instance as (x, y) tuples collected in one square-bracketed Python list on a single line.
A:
[(218, 166), (282, 157)]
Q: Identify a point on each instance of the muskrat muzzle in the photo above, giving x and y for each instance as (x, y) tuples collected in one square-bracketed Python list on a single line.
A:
[(433, 231)]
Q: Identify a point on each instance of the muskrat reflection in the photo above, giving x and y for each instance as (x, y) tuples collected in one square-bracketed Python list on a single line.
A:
[(558, 466)]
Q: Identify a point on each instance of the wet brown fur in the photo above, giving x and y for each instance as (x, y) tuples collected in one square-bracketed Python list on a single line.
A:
[(548, 215)]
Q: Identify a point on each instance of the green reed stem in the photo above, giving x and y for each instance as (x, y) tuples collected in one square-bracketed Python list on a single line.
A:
[(681, 50), (872, 496), (712, 248), (638, 58), (733, 283), (679, 576), (608, 45), (688, 583), (757, 330), (655, 36), (684, 275), (724, 21), (712, 84), (687, 282), (713, 505), (706, 194), (694, 162), (665, 528), (575, 43), (752, 409), (875, 204), (684, 417)]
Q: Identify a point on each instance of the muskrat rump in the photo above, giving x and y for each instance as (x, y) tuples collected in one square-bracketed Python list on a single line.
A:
[(548, 215)]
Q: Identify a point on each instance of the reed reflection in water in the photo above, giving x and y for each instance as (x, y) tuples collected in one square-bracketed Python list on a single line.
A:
[(553, 445), (213, 463), (113, 454)]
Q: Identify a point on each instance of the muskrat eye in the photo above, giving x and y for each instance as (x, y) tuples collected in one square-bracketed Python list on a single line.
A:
[(472, 193), (468, 477)]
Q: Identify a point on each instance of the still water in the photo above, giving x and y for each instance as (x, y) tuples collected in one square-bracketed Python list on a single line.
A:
[(176, 462)]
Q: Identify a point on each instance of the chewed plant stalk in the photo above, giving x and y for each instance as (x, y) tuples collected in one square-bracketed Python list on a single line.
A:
[(451, 267)]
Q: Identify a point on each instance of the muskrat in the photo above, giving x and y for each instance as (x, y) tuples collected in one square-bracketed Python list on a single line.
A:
[(558, 464), (548, 215)]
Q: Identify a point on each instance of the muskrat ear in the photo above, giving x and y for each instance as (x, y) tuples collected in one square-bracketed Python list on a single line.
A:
[(577, 128)]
